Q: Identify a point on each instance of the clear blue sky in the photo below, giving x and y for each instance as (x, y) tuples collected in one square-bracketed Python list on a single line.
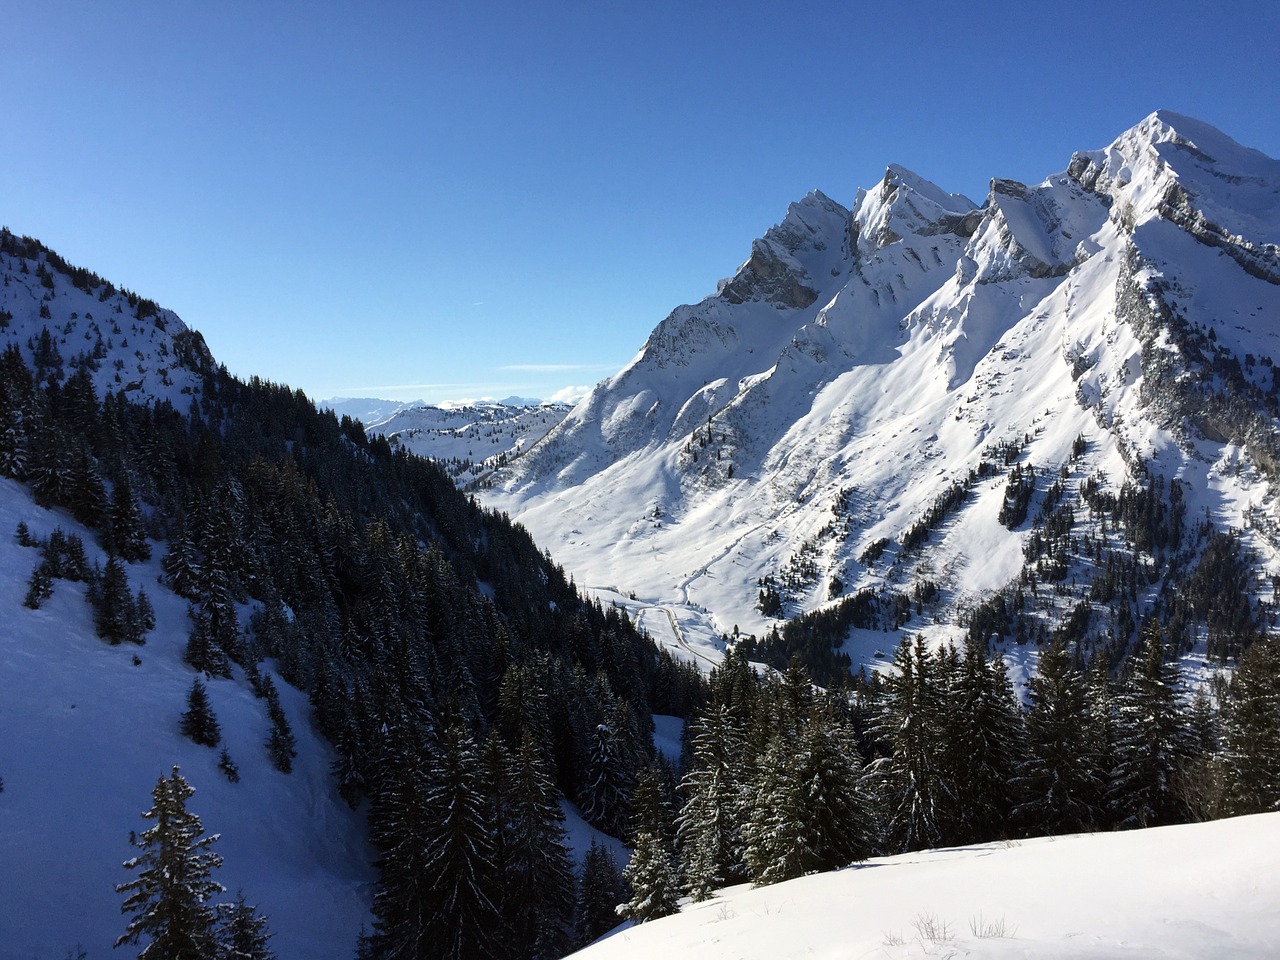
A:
[(442, 200)]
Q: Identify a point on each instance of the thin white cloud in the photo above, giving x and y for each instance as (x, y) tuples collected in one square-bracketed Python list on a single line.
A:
[(558, 367), (354, 391)]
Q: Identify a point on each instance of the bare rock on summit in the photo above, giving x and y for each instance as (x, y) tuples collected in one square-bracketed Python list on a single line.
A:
[(769, 275)]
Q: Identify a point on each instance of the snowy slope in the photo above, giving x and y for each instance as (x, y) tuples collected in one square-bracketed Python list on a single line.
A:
[(128, 344), (1191, 892), (864, 360), (86, 734)]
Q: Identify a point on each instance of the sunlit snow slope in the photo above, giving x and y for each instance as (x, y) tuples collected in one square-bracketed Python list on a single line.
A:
[(1187, 892), (863, 360)]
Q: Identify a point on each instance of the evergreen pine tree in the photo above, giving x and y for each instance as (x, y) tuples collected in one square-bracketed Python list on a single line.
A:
[(708, 829), (280, 741), (144, 613), (169, 897), (606, 777), (39, 587), (838, 823), (651, 875), (1059, 782), (199, 722), (537, 881), (458, 852), (984, 728), (806, 814), (125, 534), (229, 768), (915, 790), (600, 894), (204, 652), (115, 612), (1100, 703), (182, 565), (85, 495), (436, 897), (73, 564), (348, 766), (774, 832), (1251, 733), (49, 468), (242, 932), (1151, 740)]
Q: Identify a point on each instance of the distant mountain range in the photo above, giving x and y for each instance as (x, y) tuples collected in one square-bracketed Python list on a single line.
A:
[(470, 440)]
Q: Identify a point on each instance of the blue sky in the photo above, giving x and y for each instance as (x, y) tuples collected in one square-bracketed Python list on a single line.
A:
[(445, 200)]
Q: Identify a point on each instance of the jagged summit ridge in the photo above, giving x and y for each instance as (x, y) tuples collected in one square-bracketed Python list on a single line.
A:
[(865, 360)]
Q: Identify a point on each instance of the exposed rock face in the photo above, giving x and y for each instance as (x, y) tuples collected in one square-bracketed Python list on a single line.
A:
[(1259, 260), (769, 275)]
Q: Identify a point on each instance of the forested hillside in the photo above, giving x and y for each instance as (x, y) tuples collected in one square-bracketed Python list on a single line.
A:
[(461, 680)]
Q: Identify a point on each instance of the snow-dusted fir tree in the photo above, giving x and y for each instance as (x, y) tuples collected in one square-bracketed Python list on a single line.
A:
[(537, 880), (984, 730), (599, 895), (708, 829), (915, 791), (1251, 733), (242, 932), (182, 563), (437, 893), (1151, 739), (281, 743), (115, 611), (806, 813), (125, 534), (199, 722), (169, 898), (607, 779), (1059, 781), (776, 844), (652, 875)]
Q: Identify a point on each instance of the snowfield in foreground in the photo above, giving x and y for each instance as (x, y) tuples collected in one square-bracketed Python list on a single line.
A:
[(1207, 890)]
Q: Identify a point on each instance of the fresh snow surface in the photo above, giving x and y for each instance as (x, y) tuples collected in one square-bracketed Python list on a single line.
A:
[(146, 358), (579, 836), (667, 733), (754, 431), (1171, 893), (86, 734)]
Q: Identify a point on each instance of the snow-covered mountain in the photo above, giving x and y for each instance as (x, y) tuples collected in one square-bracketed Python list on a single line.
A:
[(849, 409), (471, 440), (1205, 890)]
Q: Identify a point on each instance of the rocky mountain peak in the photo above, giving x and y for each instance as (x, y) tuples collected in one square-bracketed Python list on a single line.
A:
[(868, 375), (905, 203)]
